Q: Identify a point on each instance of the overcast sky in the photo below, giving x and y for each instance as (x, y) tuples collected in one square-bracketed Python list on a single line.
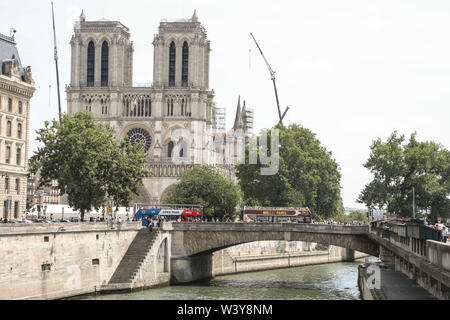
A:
[(351, 70)]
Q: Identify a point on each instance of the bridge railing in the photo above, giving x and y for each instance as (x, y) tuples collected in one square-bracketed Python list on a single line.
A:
[(264, 227)]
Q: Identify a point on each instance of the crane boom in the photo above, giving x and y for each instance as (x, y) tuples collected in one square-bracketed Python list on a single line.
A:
[(56, 64), (272, 75)]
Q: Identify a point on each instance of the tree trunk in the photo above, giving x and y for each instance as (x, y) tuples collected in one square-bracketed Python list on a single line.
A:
[(82, 215)]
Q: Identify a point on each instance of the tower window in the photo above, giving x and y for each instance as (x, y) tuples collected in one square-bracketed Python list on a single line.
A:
[(9, 104), (185, 65), (105, 61), (20, 107), (172, 64), (19, 130), (90, 64)]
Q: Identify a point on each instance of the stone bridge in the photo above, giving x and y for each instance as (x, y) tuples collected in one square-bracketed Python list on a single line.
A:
[(192, 244)]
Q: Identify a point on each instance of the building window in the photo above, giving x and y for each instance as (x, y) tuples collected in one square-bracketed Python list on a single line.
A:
[(19, 130), (17, 185), (18, 156), (105, 61), (170, 149), (16, 209), (20, 107), (7, 184), (90, 64), (172, 64), (8, 154), (8, 128), (9, 104), (185, 65)]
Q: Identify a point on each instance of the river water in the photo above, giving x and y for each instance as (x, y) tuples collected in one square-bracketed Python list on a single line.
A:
[(334, 281)]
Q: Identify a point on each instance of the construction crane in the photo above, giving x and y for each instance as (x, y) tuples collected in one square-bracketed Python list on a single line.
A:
[(272, 76)]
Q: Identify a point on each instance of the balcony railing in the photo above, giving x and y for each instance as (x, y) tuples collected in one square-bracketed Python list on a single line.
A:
[(159, 85)]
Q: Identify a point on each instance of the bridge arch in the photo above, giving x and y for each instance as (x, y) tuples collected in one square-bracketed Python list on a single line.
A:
[(193, 243), (206, 238)]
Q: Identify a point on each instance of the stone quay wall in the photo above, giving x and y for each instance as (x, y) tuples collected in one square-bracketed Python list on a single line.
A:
[(51, 261), (266, 255)]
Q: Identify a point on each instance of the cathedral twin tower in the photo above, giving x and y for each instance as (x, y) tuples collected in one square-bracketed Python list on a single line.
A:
[(178, 100)]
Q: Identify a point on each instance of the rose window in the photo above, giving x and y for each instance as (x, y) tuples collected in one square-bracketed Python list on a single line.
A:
[(138, 134)]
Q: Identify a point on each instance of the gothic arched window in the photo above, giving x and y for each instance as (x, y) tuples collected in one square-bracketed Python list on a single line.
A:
[(90, 64), (105, 62), (172, 64), (182, 149), (185, 64), (170, 149), (170, 107)]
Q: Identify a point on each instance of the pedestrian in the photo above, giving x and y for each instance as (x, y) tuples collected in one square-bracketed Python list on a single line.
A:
[(149, 224), (444, 234)]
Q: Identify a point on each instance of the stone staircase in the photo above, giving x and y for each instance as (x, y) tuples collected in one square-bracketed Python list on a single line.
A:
[(134, 257)]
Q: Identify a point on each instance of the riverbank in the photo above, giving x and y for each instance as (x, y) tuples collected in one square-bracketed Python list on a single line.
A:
[(238, 260)]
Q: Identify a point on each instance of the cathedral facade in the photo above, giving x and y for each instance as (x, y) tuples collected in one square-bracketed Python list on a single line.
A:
[(174, 115)]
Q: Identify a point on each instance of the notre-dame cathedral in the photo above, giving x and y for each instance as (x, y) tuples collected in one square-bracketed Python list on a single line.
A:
[(175, 115)]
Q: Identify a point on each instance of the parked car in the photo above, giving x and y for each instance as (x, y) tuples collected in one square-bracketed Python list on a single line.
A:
[(74, 219)]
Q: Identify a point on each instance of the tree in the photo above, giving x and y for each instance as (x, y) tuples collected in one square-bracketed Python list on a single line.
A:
[(205, 185), (307, 175), (88, 163), (398, 167), (352, 216)]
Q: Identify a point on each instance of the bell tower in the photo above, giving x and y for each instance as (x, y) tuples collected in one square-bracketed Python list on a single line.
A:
[(102, 54), (181, 54)]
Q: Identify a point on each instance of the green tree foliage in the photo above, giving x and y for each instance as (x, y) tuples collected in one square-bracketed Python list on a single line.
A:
[(352, 216), (88, 163), (397, 167), (205, 185), (307, 175)]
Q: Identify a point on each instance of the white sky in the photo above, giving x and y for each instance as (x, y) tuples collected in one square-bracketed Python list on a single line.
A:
[(351, 70)]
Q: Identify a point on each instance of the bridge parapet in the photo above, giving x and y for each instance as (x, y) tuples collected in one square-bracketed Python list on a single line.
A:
[(265, 227)]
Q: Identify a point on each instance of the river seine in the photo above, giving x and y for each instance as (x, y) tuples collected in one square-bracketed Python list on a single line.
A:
[(335, 281)]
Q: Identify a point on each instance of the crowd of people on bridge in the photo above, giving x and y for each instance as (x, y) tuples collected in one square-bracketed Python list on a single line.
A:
[(353, 223), (443, 231)]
